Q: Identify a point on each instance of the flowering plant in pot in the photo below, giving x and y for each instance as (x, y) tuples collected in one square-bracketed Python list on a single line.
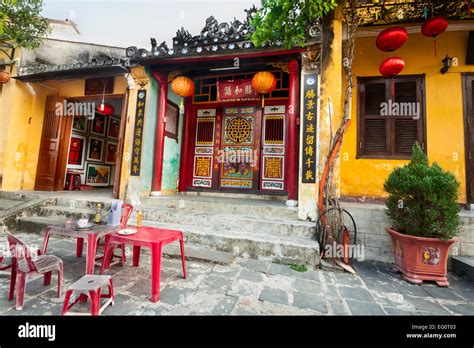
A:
[(422, 206)]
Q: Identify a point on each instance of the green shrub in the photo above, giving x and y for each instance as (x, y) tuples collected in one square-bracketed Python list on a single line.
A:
[(422, 199)]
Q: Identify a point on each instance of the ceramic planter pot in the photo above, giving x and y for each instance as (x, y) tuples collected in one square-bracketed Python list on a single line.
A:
[(421, 258)]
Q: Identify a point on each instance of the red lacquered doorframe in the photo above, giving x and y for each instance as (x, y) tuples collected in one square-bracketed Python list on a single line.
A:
[(189, 136)]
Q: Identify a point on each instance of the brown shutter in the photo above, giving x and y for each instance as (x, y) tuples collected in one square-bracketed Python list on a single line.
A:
[(373, 127), (375, 141), (407, 130)]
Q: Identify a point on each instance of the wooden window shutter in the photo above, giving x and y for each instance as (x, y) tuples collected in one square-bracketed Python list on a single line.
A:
[(392, 135), (373, 127), (407, 131)]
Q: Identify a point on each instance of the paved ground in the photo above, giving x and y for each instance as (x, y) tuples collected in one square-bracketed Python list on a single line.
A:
[(249, 287)]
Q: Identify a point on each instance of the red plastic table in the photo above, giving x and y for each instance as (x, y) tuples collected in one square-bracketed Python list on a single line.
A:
[(92, 236), (148, 237)]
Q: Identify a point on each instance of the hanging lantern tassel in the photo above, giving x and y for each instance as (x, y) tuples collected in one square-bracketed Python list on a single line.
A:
[(263, 100), (181, 105)]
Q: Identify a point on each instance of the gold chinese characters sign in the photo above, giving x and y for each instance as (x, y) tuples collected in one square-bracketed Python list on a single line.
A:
[(310, 101), (138, 134)]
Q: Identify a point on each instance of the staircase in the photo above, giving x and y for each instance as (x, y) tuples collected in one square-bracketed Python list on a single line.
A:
[(258, 228)]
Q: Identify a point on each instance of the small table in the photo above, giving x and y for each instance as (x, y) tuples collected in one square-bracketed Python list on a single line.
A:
[(92, 236), (149, 237)]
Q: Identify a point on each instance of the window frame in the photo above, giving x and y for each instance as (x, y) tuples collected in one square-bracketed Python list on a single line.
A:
[(390, 126)]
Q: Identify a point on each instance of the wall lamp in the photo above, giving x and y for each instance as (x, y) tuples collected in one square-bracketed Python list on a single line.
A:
[(446, 64)]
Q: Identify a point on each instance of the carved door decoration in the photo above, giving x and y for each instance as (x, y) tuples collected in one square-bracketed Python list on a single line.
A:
[(204, 148), (273, 149), (238, 157)]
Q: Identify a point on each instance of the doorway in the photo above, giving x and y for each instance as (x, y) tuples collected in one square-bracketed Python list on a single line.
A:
[(81, 148), (239, 149)]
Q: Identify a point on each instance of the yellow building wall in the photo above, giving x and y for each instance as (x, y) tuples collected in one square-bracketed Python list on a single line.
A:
[(444, 110), (22, 115)]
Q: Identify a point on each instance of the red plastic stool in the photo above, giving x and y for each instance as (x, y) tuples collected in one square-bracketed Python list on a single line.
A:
[(90, 286), (73, 181)]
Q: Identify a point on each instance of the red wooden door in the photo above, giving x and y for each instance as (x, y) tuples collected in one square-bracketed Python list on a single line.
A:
[(49, 146)]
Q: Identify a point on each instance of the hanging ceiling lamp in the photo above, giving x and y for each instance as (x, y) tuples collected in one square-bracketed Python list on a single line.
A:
[(434, 27), (391, 67), (184, 87), (263, 82), (106, 109), (391, 39)]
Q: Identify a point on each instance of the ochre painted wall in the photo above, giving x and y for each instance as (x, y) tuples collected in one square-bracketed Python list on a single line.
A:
[(444, 111)]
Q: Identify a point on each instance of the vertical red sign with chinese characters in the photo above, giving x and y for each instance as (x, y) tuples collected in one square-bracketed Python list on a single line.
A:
[(235, 90)]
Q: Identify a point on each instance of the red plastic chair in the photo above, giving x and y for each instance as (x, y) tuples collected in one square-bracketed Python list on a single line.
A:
[(126, 213), (127, 210), (24, 265)]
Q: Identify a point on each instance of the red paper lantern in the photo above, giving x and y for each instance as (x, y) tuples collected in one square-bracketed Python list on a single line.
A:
[(391, 39), (392, 66), (106, 109), (434, 26)]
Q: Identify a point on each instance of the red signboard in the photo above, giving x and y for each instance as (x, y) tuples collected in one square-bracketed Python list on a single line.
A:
[(235, 90)]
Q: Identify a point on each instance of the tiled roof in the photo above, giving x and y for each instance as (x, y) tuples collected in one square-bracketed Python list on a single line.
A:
[(95, 66)]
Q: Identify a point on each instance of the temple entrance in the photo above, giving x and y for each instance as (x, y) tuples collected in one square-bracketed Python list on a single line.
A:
[(239, 149), (238, 156)]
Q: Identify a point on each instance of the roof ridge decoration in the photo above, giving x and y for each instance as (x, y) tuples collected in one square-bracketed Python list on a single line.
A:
[(215, 37)]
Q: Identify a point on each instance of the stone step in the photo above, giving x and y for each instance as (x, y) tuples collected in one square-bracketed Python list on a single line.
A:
[(284, 249), (275, 197), (84, 203), (228, 205), (254, 245), (463, 266), (272, 225), (275, 226)]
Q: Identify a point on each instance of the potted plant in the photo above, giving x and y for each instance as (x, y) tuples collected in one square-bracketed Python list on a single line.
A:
[(422, 206)]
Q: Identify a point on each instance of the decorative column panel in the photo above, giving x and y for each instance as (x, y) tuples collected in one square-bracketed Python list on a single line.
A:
[(310, 103), (293, 112), (159, 133), (183, 173), (131, 169)]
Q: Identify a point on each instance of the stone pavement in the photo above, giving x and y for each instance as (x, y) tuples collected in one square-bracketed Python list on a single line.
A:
[(248, 287)]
